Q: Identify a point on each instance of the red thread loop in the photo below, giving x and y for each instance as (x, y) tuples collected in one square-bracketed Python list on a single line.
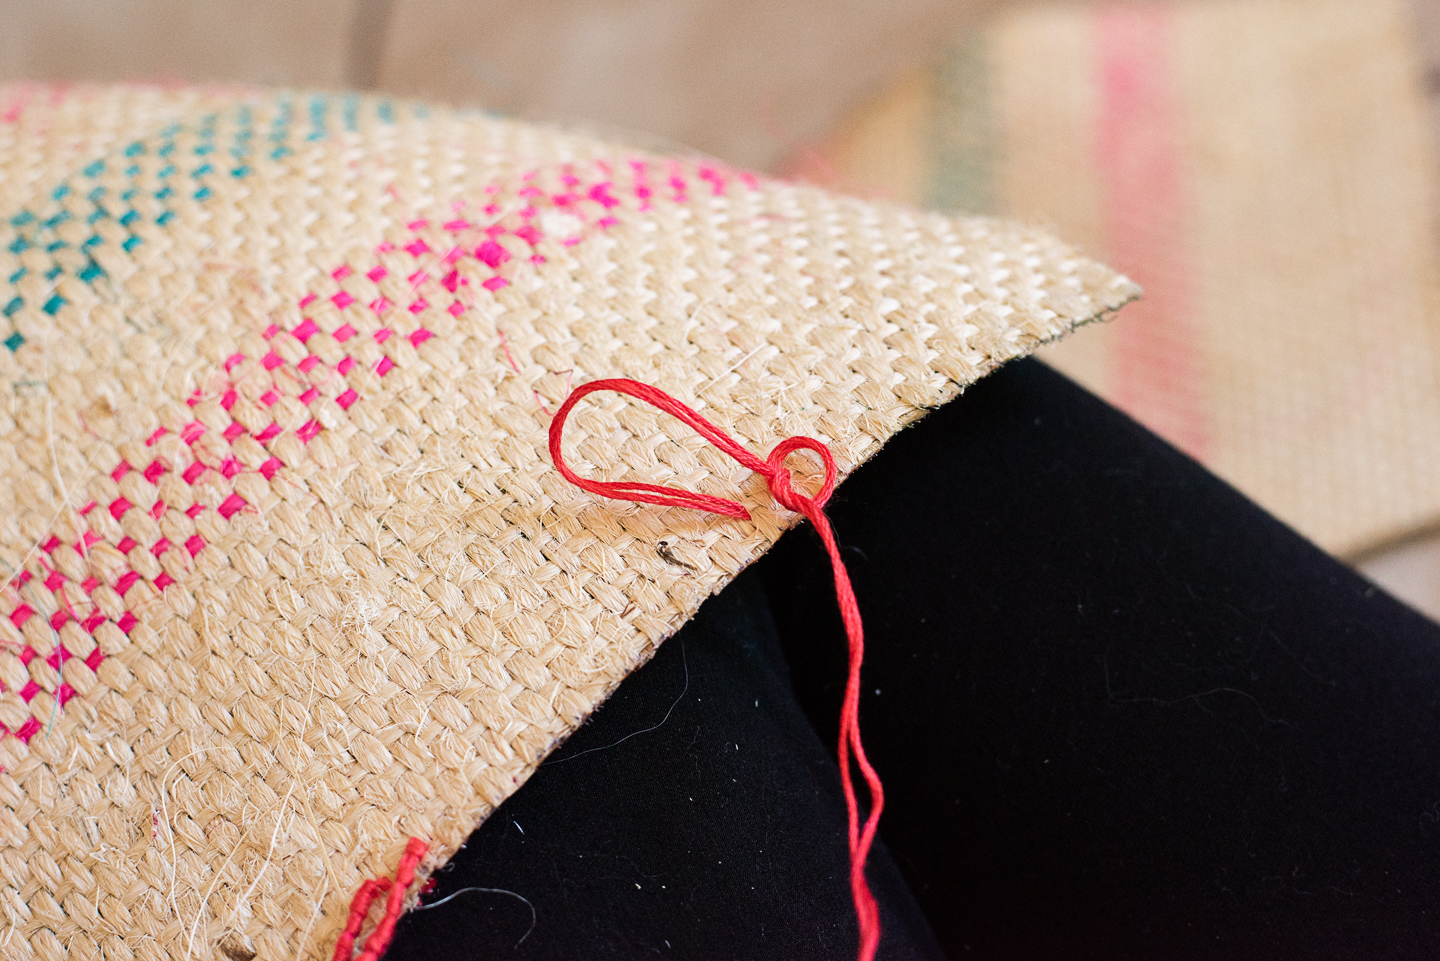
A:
[(779, 479), (379, 939)]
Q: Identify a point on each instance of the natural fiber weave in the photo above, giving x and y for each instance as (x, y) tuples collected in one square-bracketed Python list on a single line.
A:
[(291, 576), (1264, 168)]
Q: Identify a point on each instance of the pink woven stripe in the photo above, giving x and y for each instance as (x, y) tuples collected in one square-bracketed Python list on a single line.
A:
[(1158, 373)]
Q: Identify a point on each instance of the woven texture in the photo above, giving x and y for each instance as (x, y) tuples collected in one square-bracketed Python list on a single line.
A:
[(290, 577), (1263, 169)]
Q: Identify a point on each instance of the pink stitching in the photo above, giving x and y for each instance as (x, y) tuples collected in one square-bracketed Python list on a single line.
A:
[(591, 196)]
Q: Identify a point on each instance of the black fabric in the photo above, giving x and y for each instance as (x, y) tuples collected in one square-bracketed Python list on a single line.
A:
[(1120, 713), (719, 833)]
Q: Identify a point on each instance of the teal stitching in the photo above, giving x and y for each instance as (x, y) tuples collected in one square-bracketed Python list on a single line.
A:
[(87, 270)]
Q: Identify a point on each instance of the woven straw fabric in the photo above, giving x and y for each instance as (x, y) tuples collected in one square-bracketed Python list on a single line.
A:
[(1264, 169), (289, 576)]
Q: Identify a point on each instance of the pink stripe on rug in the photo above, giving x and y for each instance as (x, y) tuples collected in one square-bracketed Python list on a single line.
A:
[(1157, 373)]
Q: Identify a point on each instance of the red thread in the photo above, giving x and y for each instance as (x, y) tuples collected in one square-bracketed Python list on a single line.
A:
[(778, 477), (379, 939)]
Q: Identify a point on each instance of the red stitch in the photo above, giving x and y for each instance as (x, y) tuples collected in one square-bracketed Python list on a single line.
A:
[(92, 622), (229, 467), (157, 509), (344, 332), (536, 259), (606, 222), (161, 546), (29, 729), (194, 511), (53, 582), (306, 330), (126, 582), (231, 505), (229, 399), (385, 246), (126, 545), (379, 940), (269, 397), (452, 281), (531, 192), (120, 471), (455, 309), (233, 361), (383, 334), (305, 301), (342, 300), (90, 506), (195, 545), (192, 432), (418, 278), (419, 305), (119, 506), (497, 230), (384, 365), (341, 272), (21, 614), (271, 360), (94, 658), (420, 336), (50, 545), (309, 396), (416, 225), (417, 247), (492, 209), (153, 470), (271, 331), (378, 274), (381, 304), (346, 399), (456, 253), (528, 234), (268, 469), (233, 431), (89, 584), (163, 581), (346, 365), (58, 619), (268, 434), (194, 399), (27, 655), (29, 691), (151, 440), (193, 472), (66, 693), (127, 622), (495, 283), (308, 364), (57, 657)]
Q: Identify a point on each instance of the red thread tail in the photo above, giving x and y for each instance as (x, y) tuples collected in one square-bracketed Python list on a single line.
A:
[(778, 477)]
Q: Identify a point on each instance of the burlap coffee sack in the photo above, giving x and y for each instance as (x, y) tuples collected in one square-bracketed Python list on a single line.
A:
[(1263, 170), (290, 577)]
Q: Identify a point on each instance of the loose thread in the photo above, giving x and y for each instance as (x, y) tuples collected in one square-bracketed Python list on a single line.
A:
[(379, 939), (778, 478)]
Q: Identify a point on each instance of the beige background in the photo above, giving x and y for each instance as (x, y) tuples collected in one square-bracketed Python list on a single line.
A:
[(749, 81)]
